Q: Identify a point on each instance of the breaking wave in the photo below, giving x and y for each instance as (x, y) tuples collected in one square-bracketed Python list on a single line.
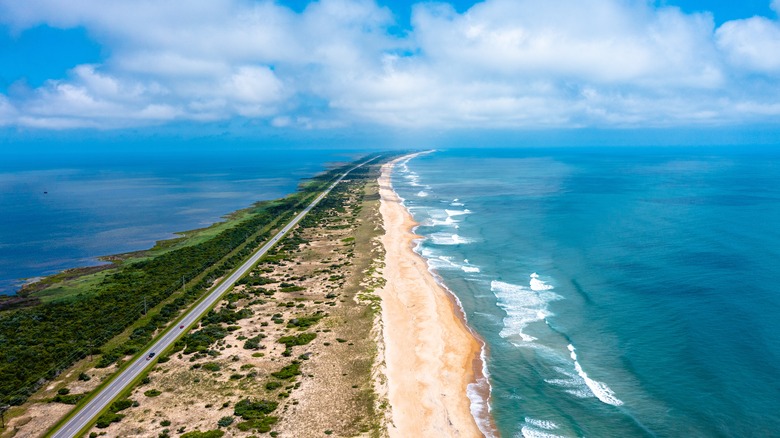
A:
[(523, 305)]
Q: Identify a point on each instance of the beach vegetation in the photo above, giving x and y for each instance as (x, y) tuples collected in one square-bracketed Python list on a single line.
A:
[(225, 421), (68, 399), (208, 434), (304, 322), (212, 366), (288, 372)]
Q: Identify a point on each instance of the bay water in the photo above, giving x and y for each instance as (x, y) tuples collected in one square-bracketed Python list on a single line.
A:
[(63, 209), (621, 292)]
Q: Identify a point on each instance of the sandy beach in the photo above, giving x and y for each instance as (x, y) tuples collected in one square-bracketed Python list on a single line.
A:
[(431, 356)]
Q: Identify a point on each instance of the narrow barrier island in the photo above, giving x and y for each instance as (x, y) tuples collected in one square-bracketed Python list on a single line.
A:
[(290, 350)]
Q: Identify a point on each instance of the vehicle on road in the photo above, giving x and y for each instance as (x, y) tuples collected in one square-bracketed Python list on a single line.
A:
[(150, 356), (181, 326)]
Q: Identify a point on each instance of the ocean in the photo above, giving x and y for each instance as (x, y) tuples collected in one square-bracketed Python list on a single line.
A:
[(621, 292), (63, 209)]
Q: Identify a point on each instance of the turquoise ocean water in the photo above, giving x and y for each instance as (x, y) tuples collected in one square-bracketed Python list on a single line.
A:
[(620, 292), (64, 209)]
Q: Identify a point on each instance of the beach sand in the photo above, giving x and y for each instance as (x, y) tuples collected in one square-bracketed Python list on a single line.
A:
[(431, 356)]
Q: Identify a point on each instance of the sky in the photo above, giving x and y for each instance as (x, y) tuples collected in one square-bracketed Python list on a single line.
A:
[(685, 71)]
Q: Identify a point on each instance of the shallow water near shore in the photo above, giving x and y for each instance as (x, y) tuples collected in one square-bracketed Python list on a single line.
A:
[(621, 292), (63, 210)]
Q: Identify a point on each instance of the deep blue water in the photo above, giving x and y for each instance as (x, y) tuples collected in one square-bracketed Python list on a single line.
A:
[(621, 292), (63, 209)]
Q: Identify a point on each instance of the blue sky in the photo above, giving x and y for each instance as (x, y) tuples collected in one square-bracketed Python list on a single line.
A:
[(686, 71)]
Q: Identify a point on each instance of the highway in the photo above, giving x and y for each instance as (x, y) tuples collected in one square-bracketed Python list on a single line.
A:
[(88, 413)]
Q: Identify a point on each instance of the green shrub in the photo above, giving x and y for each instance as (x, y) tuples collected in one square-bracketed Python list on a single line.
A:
[(152, 393), (288, 372), (225, 421), (68, 399), (211, 366), (84, 377), (202, 339), (253, 343), (249, 410), (121, 405), (272, 385), (106, 419), (304, 322), (63, 391), (208, 434), (260, 424), (301, 339), (165, 423)]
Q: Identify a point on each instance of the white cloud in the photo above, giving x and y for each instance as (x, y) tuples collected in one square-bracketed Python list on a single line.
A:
[(7, 112), (502, 63), (254, 84), (595, 40), (752, 44)]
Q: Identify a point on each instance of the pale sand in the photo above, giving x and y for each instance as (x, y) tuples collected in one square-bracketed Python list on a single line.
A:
[(431, 356)]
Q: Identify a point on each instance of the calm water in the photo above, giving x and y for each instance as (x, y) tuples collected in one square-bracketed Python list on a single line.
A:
[(62, 210), (621, 292)]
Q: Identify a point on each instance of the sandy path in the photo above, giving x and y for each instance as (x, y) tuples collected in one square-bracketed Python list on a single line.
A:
[(429, 352)]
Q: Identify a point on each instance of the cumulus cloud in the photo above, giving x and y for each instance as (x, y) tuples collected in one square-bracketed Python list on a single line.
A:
[(752, 44), (502, 63)]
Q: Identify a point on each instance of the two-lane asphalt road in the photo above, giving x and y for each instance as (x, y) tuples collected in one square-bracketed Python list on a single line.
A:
[(87, 414)]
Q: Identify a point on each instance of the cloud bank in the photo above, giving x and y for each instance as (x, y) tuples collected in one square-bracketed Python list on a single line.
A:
[(339, 63)]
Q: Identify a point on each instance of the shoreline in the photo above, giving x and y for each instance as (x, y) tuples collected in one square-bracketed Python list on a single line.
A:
[(433, 359)]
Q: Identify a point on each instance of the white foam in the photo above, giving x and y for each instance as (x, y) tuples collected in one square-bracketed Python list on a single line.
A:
[(599, 389), (457, 212), (442, 262), (422, 194), (448, 221), (541, 424), (413, 178), (572, 383), (439, 217), (448, 239), (480, 407), (468, 267), (566, 383), (523, 306), (537, 284), (582, 392), (530, 432)]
